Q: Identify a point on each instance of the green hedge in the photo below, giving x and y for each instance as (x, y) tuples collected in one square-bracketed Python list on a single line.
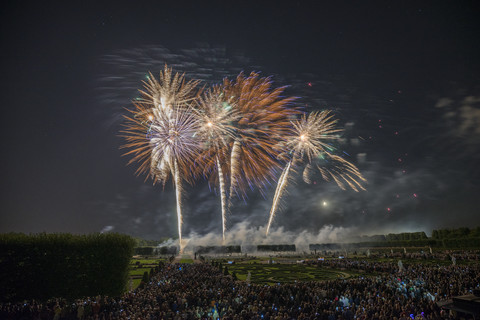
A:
[(464, 243), (171, 250), (471, 243), (43, 266), (144, 251), (405, 236), (456, 233), (218, 249), (276, 247), (399, 243)]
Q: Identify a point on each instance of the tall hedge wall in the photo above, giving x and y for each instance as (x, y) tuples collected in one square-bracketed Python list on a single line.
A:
[(43, 266), (462, 243), (218, 249), (276, 247), (456, 233)]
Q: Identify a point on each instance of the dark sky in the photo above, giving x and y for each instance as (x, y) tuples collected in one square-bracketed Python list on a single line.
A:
[(403, 78)]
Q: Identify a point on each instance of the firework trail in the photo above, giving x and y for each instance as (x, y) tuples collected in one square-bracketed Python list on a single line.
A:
[(161, 133), (223, 200), (264, 119), (309, 139), (282, 182), (234, 168), (178, 193), (216, 115)]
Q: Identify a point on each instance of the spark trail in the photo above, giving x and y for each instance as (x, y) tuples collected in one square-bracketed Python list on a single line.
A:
[(222, 198), (178, 194), (216, 113), (282, 183), (234, 168), (309, 140)]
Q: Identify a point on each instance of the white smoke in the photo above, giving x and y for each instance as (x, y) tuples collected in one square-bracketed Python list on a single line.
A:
[(107, 229), (246, 236), (168, 243)]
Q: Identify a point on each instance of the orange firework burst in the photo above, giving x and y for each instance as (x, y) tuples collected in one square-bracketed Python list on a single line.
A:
[(242, 122), (264, 121)]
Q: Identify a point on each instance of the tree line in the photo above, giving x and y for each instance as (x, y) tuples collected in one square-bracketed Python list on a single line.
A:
[(463, 238), (43, 266), (459, 233)]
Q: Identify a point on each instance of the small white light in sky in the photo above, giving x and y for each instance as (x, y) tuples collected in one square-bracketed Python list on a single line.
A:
[(324, 203)]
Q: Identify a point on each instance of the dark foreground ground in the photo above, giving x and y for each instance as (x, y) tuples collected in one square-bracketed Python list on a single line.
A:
[(374, 290)]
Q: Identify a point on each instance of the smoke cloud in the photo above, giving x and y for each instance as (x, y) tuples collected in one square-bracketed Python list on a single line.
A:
[(246, 236)]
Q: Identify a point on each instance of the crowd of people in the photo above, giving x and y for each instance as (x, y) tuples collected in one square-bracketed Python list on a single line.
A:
[(202, 291), (435, 255)]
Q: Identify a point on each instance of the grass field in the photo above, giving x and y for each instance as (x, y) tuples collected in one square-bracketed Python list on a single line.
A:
[(138, 271), (137, 268), (153, 262)]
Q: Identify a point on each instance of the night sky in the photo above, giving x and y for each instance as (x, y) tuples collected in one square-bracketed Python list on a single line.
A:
[(403, 78)]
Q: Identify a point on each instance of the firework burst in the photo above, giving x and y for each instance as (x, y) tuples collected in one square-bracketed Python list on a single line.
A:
[(216, 115), (309, 141), (236, 134), (161, 132), (170, 91), (264, 119)]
